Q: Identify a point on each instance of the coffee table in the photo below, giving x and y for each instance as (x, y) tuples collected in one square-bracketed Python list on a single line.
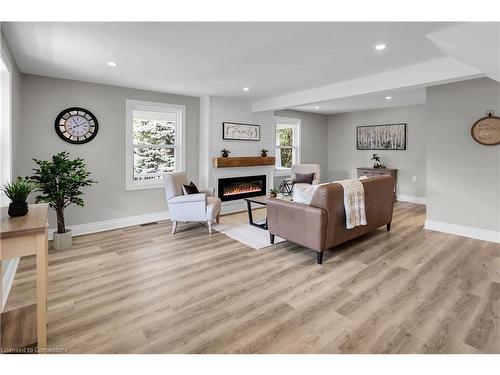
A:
[(262, 200)]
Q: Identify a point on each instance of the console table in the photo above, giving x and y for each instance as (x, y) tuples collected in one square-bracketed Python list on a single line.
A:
[(372, 172), (23, 236)]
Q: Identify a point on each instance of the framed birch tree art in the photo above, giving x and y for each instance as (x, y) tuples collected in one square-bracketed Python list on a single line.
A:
[(381, 137)]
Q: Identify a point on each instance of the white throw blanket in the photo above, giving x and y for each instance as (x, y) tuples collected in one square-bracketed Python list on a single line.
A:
[(354, 202)]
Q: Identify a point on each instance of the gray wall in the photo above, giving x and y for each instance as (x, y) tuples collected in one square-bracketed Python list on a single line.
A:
[(343, 158), (313, 138), (43, 98), (226, 109), (463, 176)]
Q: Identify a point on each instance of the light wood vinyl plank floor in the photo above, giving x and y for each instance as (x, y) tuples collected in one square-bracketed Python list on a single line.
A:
[(141, 290)]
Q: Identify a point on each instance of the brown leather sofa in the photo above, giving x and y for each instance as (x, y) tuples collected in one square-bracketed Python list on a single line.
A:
[(322, 224)]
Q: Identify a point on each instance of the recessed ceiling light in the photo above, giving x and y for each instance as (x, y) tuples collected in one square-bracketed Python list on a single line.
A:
[(388, 97), (246, 88), (380, 47), (316, 107), (112, 64)]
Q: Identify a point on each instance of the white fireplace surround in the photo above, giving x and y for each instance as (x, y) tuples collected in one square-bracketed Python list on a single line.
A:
[(213, 112), (239, 205)]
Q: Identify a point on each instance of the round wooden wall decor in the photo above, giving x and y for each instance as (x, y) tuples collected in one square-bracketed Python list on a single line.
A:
[(487, 130)]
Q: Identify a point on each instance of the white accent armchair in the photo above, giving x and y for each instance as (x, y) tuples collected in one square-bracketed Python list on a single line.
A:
[(307, 168), (193, 207)]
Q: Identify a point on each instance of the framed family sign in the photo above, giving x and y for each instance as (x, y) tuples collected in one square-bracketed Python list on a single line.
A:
[(487, 130), (236, 131)]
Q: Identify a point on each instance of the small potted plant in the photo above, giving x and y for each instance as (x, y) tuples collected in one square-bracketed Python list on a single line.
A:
[(263, 152), (225, 152), (376, 162), (273, 193), (18, 191), (59, 181)]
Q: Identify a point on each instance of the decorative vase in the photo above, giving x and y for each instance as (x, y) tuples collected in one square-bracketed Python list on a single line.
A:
[(62, 241), (18, 209), (225, 154), (273, 195), (264, 154)]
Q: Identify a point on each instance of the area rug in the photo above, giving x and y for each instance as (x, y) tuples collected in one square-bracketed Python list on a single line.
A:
[(236, 226)]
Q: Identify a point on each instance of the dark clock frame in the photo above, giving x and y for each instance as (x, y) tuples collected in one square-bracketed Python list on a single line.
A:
[(78, 109)]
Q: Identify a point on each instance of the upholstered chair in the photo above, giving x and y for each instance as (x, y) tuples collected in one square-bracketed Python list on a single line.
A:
[(307, 168), (193, 207)]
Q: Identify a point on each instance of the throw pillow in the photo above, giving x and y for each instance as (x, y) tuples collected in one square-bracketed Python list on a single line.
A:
[(304, 178), (190, 189)]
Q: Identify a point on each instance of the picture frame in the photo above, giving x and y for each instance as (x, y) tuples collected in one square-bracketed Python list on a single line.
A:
[(390, 137), (238, 131), (486, 130)]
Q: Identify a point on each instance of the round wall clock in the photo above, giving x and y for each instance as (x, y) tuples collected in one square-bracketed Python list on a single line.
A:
[(487, 130), (76, 125)]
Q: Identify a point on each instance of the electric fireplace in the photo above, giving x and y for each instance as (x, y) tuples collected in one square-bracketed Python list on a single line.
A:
[(233, 188)]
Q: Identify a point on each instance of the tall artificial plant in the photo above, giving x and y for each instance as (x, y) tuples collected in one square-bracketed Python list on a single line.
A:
[(59, 181)]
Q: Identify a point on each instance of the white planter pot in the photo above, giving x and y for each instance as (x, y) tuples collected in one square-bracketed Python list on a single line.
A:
[(62, 240)]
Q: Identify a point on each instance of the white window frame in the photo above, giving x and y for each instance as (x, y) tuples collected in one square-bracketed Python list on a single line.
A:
[(296, 124), (179, 146)]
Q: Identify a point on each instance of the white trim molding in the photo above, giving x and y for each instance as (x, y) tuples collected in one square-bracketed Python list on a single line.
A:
[(122, 222), (177, 110), (296, 125), (8, 280), (411, 199), (463, 230)]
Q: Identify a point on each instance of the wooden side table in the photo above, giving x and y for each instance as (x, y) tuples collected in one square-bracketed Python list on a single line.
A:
[(23, 236), (371, 172)]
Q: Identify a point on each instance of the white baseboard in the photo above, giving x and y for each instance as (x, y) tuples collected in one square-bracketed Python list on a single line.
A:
[(462, 230), (411, 199), (8, 279), (122, 222)]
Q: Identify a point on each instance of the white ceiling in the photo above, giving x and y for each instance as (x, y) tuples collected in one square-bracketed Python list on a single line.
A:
[(219, 58)]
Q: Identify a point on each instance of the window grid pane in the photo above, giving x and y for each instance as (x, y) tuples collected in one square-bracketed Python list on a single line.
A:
[(287, 143), (153, 132), (285, 157), (154, 145), (284, 137), (151, 163)]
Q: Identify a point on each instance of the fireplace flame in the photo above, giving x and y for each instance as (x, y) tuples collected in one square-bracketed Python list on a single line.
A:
[(242, 189)]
